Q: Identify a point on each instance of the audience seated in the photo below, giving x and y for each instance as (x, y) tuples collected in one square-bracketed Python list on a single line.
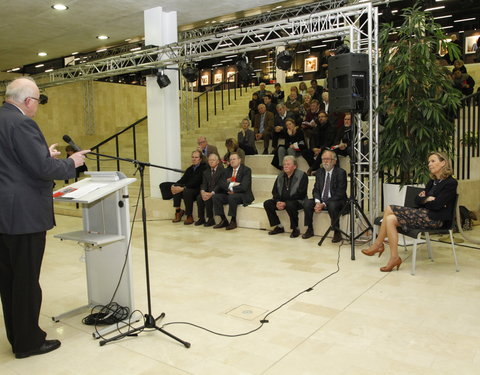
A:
[(299, 96), (309, 122), (279, 128), (262, 91), (232, 147), (246, 138), (263, 126), (460, 65), (235, 188), (268, 101), (302, 88), (463, 82), (295, 107), (205, 148), (294, 144), (343, 140), (329, 192), (318, 89), (210, 185), (278, 94), (187, 188), (253, 106), (289, 192)]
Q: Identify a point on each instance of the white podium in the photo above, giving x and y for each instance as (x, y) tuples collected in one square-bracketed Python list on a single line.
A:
[(105, 237)]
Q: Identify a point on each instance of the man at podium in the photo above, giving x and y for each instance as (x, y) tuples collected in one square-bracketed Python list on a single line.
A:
[(27, 170)]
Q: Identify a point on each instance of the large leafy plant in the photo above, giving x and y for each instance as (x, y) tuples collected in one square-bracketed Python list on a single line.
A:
[(418, 100)]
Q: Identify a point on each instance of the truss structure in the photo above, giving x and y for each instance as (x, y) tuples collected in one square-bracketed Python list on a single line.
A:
[(357, 24)]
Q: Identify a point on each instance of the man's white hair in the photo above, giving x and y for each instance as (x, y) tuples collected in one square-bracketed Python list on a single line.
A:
[(18, 92)]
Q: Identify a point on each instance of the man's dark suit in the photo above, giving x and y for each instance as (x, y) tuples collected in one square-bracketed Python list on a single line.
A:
[(267, 127), (338, 192), (242, 194), (27, 172), (210, 183)]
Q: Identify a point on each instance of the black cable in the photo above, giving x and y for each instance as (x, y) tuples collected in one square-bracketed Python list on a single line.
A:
[(264, 320)]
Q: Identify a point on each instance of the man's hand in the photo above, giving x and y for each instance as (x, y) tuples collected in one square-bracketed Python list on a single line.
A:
[(79, 157), (278, 129), (176, 189), (281, 205), (206, 196), (318, 207), (258, 136), (53, 151)]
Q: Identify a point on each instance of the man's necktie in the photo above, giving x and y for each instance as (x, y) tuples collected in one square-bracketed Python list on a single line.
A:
[(327, 189), (234, 175)]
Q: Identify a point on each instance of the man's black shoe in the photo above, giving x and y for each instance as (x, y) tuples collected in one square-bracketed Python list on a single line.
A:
[(209, 223), (265, 151), (337, 237), (222, 224), (309, 233), (232, 225), (47, 346), (199, 222), (295, 233), (276, 230)]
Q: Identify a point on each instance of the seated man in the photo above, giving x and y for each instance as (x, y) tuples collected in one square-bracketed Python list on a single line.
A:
[(205, 148), (263, 126), (210, 186), (329, 192), (235, 189), (187, 188), (280, 128), (289, 191)]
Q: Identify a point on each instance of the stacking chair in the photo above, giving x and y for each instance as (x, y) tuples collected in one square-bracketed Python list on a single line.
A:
[(417, 233)]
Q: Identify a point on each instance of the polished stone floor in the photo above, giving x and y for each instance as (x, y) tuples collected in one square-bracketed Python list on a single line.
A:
[(357, 321)]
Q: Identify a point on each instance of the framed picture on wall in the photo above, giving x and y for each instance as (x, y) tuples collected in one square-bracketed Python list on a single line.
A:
[(217, 78), (205, 80), (471, 44), (231, 76), (311, 64), (443, 50)]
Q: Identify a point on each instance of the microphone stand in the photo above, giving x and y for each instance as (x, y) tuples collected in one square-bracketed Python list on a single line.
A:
[(149, 320)]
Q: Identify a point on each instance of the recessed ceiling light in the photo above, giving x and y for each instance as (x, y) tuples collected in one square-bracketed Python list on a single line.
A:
[(15, 69), (39, 65), (48, 70), (42, 54), (74, 53), (101, 50), (59, 7), (102, 37)]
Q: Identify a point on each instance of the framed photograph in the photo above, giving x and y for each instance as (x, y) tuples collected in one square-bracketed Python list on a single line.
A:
[(205, 80), (231, 76), (311, 64), (217, 78), (471, 44), (443, 50)]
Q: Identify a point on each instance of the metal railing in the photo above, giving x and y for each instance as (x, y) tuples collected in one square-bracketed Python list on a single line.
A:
[(115, 138), (228, 93)]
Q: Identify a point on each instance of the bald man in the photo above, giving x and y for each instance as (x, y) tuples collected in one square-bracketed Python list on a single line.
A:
[(27, 170), (205, 148)]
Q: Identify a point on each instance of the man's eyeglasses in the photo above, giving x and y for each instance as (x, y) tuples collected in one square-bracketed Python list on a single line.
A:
[(31, 97), (326, 159)]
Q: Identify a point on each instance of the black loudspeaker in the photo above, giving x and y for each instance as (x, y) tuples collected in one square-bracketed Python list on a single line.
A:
[(348, 83)]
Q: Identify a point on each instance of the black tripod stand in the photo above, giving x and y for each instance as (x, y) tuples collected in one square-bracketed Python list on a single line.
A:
[(352, 207), (149, 320)]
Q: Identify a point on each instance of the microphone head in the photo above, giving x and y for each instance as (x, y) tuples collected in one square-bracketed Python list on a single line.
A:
[(67, 139)]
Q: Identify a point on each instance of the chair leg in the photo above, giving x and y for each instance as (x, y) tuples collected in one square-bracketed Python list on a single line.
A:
[(404, 243), (414, 253), (453, 250), (429, 246)]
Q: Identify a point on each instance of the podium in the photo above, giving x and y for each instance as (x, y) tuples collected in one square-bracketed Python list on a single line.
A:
[(105, 238)]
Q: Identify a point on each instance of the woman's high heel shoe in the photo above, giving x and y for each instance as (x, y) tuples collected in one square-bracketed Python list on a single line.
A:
[(389, 267), (372, 250)]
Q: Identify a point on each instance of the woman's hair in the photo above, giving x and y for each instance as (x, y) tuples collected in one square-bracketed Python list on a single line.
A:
[(245, 119), (447, 169), (231, 144)]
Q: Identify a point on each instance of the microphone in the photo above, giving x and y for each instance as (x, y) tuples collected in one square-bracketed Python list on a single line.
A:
[(67, 139)]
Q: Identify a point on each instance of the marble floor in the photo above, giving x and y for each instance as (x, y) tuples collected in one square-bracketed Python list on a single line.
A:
[(357, 321)]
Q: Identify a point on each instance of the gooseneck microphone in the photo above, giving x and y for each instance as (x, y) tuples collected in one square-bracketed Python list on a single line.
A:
[(67, 139)]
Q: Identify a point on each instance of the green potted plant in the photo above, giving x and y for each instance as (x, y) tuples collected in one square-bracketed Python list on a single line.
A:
[(418, 100)]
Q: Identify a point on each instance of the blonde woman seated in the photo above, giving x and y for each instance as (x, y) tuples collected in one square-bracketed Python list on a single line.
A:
[(232, 147), (294, 144), (435, 208)]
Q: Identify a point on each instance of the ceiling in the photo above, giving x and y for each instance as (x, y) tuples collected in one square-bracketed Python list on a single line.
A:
[(31, 26)]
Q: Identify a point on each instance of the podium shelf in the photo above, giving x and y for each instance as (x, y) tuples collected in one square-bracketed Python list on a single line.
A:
[(93, 239)]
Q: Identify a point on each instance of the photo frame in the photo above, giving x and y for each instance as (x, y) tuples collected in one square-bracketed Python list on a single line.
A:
[(471, 44), (204, 80), (311, 64), (442, 49), (217, 78), (231, 76)]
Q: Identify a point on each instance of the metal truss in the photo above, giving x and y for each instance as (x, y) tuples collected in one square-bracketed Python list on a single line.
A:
[(357, 23)]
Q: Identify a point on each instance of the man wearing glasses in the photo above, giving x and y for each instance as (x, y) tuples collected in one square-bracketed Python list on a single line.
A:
[(27, 170), (329, 193)]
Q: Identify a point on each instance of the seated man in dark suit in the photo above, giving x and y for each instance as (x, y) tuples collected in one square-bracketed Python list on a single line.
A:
[(210, 186), (329, 192), (205, 148), (263, 126), (289, 191), (236, 188), (280, 128), (187, 188)]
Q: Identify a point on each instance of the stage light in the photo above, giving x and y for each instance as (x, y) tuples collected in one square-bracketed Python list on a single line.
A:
[(245, 70), (190, 73), (162, 80), (341, 49), (43, 99), (284, 60)]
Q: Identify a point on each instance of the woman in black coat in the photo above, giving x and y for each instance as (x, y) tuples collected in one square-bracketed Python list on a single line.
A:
[(435, 208)]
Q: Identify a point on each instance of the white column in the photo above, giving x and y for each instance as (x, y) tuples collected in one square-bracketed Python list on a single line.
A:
[(280, 74), (162, 104)]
